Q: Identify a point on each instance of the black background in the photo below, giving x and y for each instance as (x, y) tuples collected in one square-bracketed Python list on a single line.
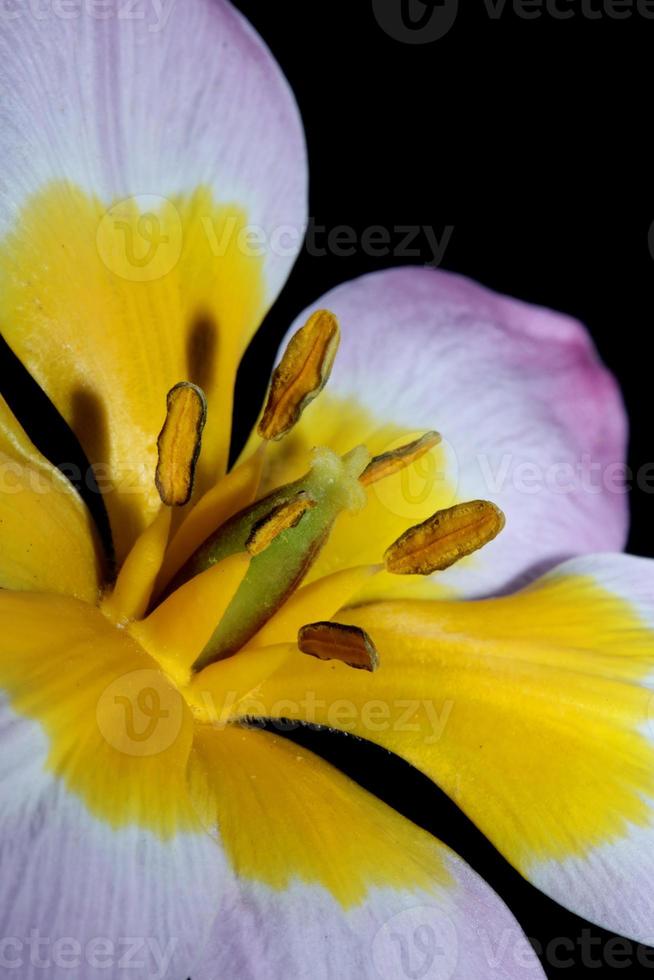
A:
[(529, 138)]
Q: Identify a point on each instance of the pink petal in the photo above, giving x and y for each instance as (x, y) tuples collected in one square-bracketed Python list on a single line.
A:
[(524, 405)]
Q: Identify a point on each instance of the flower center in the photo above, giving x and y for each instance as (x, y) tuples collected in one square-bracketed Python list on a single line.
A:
[(330, 487), (266, 549)]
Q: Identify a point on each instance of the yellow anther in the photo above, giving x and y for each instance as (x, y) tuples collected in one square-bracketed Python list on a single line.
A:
[(179, 443), (280, 518), (301, 374), (444, 538), (386, 464), (334, 641)]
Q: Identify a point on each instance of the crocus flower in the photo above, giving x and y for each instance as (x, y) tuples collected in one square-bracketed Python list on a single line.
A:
[(152, 201)]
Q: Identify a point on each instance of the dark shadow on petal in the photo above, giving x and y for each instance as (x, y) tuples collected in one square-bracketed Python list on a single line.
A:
[(89, 419), (529, 575), (202, 351), (51, 435)]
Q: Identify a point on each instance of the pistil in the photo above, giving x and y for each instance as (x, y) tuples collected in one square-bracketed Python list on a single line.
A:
[(332, 485)]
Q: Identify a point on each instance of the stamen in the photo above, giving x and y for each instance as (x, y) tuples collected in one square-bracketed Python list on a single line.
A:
[(386, 464), (333, 484), (281, 518), (334, 641), (179, 443), (301, 374), (444, 538)]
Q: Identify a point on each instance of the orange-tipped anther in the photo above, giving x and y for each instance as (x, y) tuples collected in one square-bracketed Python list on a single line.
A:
[(335, 641), (301, 374), (179, 443), (444, 538), (386, 464), (281, 518)]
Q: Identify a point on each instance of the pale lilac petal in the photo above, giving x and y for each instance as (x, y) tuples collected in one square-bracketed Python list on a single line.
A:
[(611, 881), (469, 934), (419, 901), (78, 898), (530, 417), (99, 839), (152, 203), (143, 99)]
